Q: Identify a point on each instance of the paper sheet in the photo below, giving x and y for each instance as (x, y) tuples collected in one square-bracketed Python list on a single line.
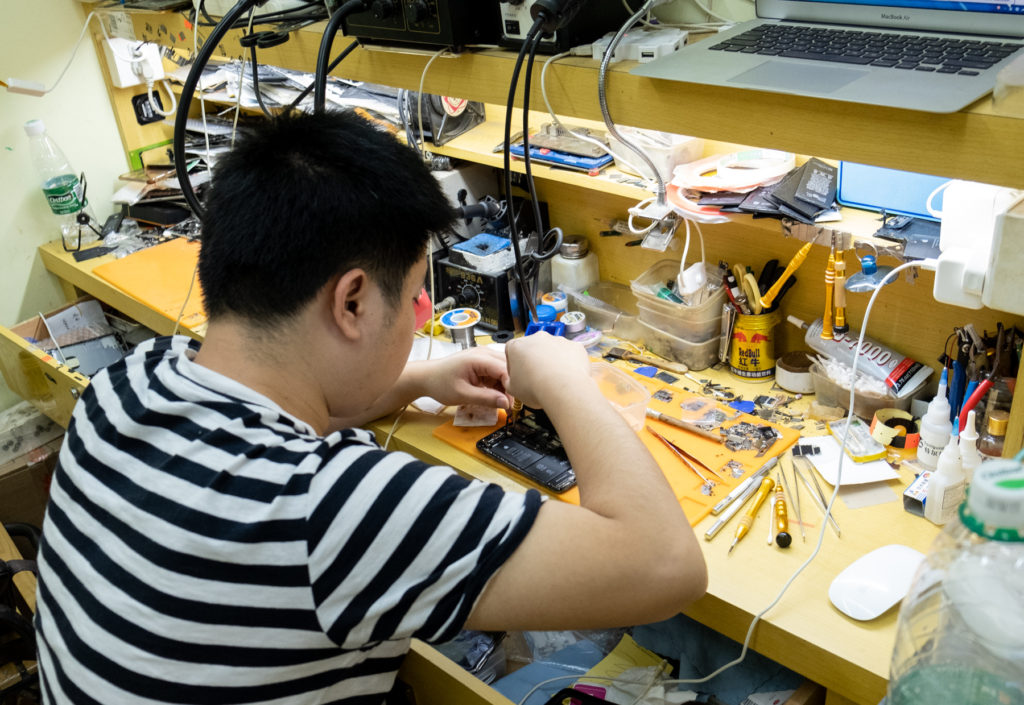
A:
[(827, 464)]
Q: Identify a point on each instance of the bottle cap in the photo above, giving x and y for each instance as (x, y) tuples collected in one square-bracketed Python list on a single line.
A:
[(995, 501), (997, 422), (574, 247), (546, 313), (970, 432), (35, 127)]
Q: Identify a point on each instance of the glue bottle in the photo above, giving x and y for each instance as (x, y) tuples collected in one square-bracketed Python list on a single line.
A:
[(901, 375), (970, 458), (946, 484), (935, 427)]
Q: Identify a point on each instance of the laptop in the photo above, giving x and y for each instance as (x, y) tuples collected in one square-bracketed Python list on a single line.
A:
[(932, 55)]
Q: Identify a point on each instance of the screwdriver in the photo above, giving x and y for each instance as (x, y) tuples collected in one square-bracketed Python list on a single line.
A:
[(782, 538), (766, 487)]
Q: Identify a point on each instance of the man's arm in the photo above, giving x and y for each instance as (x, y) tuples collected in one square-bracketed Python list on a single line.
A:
[(474, 376), (627, 555)]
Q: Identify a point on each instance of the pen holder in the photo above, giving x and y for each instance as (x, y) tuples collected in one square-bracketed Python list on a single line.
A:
[(752, 353)]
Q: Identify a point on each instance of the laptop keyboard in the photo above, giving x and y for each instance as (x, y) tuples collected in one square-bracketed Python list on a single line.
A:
[(966, 57)]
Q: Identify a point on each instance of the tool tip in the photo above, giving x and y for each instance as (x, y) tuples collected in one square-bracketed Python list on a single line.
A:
[(732, 546)]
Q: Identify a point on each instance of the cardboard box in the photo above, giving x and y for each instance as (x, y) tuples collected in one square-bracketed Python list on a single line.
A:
[(25, 484)]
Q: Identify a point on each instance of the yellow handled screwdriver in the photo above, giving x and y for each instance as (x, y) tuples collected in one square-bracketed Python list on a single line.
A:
[(782, 538), (748, 519), (830, 282), (769, 296)]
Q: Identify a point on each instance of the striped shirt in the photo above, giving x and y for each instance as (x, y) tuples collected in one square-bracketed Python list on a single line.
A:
[(202, 545)]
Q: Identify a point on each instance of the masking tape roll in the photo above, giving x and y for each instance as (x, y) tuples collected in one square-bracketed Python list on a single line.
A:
[(896, 428), (793, 372)]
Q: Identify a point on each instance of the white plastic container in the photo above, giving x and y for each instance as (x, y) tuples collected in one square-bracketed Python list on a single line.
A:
[(665, 149), (960, 633), (945, 485), (575, 266), (935, 427), (970, 458)]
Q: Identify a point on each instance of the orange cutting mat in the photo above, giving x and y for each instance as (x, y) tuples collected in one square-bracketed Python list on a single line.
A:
[(685, 483), (159, 276)]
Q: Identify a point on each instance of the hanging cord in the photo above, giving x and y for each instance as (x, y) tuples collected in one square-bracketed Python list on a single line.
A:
[(539, 254), (241, 82), (579, 135), (603, 100), (421, 146), (256, 79), (188, 91), (513, 226), (323, 57), (333, 65)]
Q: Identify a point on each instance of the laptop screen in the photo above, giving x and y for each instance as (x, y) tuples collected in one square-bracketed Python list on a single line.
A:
[(994, 18)]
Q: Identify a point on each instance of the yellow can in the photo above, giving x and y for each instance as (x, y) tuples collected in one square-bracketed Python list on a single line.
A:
[(752, 353)]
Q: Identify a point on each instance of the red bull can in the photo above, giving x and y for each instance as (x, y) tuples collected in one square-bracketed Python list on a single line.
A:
[(752, 353)]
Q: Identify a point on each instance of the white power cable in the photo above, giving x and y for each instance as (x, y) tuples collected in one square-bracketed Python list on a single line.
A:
[(419, 104)]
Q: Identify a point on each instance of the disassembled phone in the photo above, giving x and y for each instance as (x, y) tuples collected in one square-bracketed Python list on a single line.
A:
[(531, 446)]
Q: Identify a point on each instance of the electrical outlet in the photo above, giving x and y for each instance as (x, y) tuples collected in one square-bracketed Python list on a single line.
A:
[(128, 61)]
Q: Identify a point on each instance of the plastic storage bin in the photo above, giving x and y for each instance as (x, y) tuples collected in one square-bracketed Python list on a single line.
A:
[(696, 356), (610, 307), (695, 324), (829, 393), (625, 393)]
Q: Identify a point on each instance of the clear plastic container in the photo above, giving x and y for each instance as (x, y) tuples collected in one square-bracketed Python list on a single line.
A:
[(624, 392), (960, 633), (695, 324), (829, 393), (696, 356), (610, 307)]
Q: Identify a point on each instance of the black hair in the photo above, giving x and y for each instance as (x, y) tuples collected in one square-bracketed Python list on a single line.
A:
[(301, 198)]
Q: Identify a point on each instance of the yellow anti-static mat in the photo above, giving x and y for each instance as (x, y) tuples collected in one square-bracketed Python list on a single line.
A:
[(685, 483), (159, 276)]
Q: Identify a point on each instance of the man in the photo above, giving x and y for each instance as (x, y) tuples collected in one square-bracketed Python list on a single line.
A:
[(220, 529)]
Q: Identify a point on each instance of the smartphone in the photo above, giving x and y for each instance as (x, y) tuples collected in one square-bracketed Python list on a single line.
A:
[(531, 447)]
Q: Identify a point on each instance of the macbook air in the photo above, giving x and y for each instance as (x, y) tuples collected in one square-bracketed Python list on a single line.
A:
[(933, 55)]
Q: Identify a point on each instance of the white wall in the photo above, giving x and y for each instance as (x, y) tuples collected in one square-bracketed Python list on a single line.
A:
[(36, 39)]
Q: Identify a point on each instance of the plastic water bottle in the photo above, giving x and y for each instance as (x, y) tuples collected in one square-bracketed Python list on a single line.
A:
[(61, 186), (960, 635)]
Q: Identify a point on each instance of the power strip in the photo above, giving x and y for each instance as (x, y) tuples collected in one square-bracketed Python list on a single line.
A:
[(132, 62)]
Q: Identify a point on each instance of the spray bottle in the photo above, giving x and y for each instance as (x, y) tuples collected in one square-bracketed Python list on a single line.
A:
[(935, 427), (901, 375), (970, 458), (946, 485)]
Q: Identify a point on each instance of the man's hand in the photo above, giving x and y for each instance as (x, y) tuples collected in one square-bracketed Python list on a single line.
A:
[(477, 376), (542, 364)]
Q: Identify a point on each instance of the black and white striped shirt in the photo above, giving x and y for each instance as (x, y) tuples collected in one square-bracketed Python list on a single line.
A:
[(201, 545)]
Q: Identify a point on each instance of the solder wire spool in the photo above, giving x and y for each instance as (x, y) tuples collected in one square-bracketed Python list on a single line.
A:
[(460, 323)]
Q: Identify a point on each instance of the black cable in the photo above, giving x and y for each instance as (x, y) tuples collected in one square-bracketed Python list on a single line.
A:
[(185, 102), (320, 78), (334, 64), (513, 228), (256, 80), (530, 185), (300, 12)]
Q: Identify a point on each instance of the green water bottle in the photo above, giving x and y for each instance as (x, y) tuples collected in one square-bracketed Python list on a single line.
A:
[(62, 188)]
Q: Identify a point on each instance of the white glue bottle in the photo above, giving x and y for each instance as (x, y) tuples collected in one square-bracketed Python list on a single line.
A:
[(946, 485), (970, 458), (935, 427)]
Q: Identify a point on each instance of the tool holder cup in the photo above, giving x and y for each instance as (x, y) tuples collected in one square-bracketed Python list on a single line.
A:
[(752, 349)]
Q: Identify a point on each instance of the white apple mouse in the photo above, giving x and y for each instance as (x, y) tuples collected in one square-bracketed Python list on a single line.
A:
[(876, 581)]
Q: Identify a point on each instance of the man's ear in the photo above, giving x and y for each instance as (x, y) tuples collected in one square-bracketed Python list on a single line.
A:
[(349, 302)]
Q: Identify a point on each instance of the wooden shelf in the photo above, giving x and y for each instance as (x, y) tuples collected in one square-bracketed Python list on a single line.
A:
[(973, 144)]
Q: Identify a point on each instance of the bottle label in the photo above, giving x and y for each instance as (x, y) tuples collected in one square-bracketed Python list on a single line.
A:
[(64, 194)]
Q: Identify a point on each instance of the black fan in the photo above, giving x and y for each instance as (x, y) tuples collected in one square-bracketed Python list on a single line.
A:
[(444, 117)]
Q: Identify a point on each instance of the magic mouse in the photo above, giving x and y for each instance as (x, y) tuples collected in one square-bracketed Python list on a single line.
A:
[(876, 581)]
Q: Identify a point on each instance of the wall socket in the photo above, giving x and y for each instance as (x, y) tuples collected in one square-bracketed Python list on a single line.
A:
[(124, 56)]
